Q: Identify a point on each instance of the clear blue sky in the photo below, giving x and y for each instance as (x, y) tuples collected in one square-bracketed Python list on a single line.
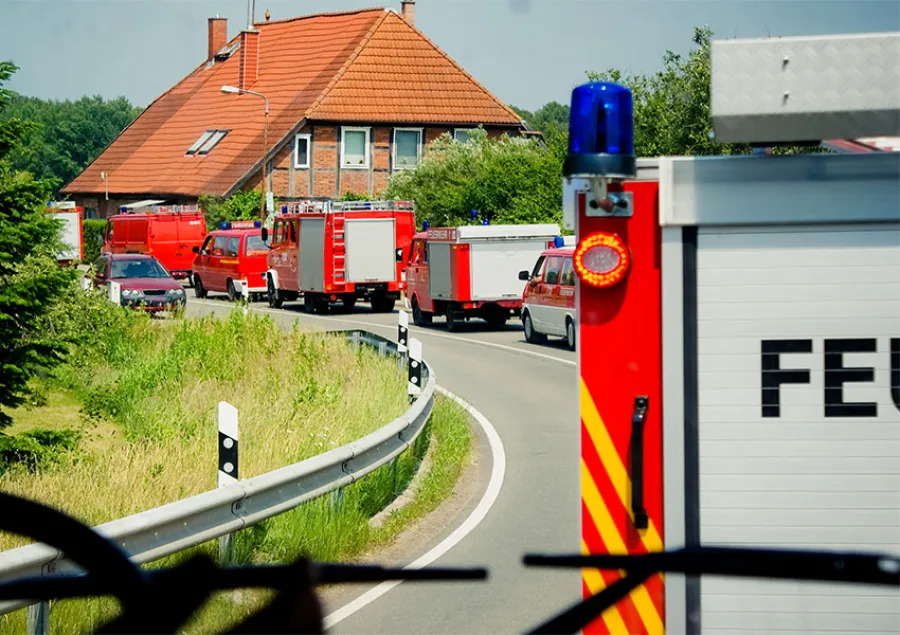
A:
[(527, 52)]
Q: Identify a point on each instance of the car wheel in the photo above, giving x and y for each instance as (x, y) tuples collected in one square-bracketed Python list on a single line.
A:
[(199, 289), (420, 317), (272, 296), (232, 292), (531, 336), (570, 334)]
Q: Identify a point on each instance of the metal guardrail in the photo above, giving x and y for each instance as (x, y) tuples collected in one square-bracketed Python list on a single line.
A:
[(176, 526)]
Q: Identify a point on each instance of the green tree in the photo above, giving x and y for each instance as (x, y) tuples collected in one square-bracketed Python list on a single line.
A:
[(242, 205), (30, 279), (69, 134), (507, 180), (550, 119)]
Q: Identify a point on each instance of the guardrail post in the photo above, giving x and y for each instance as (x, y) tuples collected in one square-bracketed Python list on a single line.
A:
[(414, 383), (228, 465), (336, 498), (114, 290), (38, 622), (354, 337)]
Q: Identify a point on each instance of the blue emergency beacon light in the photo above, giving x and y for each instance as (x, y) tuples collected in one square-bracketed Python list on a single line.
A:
[(601, 142)]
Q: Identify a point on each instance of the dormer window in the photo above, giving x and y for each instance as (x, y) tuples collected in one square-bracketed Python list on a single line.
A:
[(207, 141)]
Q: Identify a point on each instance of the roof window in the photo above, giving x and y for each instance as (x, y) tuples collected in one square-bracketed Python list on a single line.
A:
[(207, 141)]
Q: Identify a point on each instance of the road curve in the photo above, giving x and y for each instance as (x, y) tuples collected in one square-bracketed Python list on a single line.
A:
[(529, 394)]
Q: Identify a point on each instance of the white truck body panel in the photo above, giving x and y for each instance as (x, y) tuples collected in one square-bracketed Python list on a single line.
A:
[(510, 232), (311, 268), (738, 279), (805, 478), (495, 266), (370, 250), (439, 281), (70, 235), (806, 88)]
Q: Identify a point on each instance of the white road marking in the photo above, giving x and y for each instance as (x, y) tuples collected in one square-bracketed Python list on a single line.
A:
[(484, 505), (427, 332)]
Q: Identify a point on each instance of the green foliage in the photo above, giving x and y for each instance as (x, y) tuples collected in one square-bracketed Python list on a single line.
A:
[(30, 278), (508, 180), (36, 448), (92, 238), (68, 135), (350, 196), (242, 205), (550, 119)]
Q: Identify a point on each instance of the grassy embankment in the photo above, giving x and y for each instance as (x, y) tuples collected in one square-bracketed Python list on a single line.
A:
[(128, 423)]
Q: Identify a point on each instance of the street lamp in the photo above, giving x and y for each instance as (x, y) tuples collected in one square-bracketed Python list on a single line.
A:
[(234, 90)]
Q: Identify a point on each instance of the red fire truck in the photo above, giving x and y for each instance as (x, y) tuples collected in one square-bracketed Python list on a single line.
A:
[(168, 232), (332, 251), (739, 338), (472, 271), (71, 234)]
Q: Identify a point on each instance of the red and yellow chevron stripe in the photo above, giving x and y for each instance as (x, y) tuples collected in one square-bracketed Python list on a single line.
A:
[(604, 488), (620, 355)]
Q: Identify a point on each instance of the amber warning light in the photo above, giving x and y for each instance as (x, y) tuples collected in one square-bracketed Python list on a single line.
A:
[(602, 260)]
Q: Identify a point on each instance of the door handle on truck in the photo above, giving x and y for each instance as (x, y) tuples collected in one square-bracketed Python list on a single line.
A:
[(638, 418)]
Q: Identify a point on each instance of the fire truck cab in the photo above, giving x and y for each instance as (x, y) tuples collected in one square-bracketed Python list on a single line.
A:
[(472, 271), (339, 251), (167, 232), (739, 338)]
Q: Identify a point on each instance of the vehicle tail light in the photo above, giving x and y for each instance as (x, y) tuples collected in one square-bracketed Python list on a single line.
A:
[(602, 260)]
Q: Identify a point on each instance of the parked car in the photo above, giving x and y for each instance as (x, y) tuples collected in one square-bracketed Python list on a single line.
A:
[(143, 281), (230, 259), (548, 302)]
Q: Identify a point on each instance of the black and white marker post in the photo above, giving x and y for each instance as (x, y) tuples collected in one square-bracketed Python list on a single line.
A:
[(228, 463), (414, 384), (402, 332)]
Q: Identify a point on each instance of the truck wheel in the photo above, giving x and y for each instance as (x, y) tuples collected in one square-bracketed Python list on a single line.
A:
[(232, 292), (381, 304), (349, 302), (532, 336), (452, 323), (272, 296), (309, 302), (496, 318), (420, 317), (570, 335), (199, 290)]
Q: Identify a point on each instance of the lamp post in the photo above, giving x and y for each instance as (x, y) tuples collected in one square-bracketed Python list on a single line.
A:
[(265, 178)]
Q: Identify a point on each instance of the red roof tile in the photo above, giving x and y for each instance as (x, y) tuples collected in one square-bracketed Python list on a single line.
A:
[(361, 66)]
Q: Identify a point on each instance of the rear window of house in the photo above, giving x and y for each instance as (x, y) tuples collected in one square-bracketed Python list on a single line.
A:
[(254, 246)]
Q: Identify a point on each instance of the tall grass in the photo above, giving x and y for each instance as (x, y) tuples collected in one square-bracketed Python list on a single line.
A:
[(298, 394)]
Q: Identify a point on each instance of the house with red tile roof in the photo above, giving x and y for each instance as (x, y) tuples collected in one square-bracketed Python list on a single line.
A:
[(351, 98)]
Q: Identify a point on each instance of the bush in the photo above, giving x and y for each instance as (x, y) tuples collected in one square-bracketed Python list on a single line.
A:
[(36, 448), (244, 205), (507, 180), (92, 238)]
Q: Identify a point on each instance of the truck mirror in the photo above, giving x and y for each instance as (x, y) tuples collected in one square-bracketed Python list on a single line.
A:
[(195, 249), (265, 235), (524, 275)]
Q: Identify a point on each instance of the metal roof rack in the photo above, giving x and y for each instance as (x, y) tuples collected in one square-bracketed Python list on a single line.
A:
[(327, 207)]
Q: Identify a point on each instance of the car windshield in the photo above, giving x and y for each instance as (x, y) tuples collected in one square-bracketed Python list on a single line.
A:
[(254, 246), (143, 268)]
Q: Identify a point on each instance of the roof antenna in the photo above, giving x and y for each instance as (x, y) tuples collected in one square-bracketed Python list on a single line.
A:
[(251, 11)]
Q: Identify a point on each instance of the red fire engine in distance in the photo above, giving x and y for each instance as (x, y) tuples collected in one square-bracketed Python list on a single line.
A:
[(332, 251), (472, 271)]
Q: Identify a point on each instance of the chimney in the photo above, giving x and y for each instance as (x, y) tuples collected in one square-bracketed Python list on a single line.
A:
[(249, 58), (218, 35), (408, 11)]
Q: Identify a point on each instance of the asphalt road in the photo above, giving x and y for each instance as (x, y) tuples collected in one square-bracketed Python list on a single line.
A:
[(529, 394)]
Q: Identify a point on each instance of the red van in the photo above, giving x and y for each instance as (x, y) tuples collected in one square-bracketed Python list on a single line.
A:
[(169, 233), (230, 259), (548, 302)]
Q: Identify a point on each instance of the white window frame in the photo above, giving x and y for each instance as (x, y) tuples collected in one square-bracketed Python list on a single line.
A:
[(308, 138), (468, 131), (421, 133), (356, 166)]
